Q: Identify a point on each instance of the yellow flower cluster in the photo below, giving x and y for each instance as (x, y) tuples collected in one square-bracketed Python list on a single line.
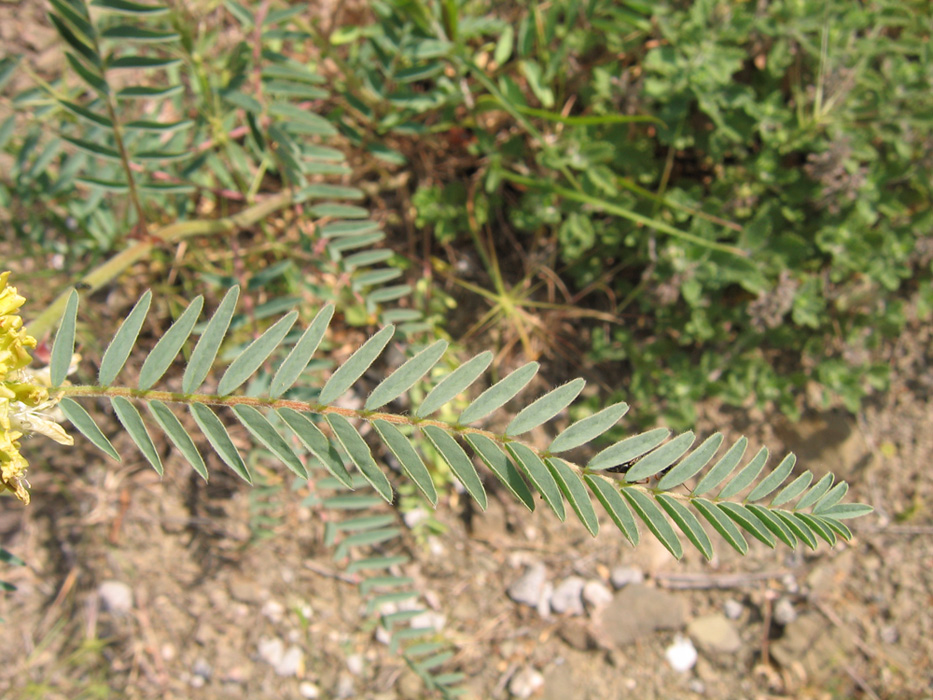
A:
[(22, 401)]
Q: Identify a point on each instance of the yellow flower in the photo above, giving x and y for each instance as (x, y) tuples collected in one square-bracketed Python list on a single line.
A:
[(24, 401)]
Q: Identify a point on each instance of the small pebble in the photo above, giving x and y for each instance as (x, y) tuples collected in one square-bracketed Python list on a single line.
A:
[(524, 683), (202, 668), (273, 610), (345, 687), (309, 691), (568, 596), (355, 664), (697, 686), (415, 516), (889, 634), (733, 609), (292, 664), (622, 576), (116, 597), (529, 587), (596, 595), (429, 619), (681, 655), (784, 612)]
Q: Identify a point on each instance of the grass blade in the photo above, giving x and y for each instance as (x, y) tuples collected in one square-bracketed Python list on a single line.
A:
[(360, 361), (209, 343), (498, 394), (411, 463), (248, 361), (122, 343), (133, 422), (500, 464), (216, 434), (301, 354), (589, 428), (459, 462), (543, 409), (402, 379), (359, 453), (85, 425), (176, 432), (169, 344), (64, 348)]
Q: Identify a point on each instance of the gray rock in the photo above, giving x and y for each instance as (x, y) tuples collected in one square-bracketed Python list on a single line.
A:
[(596, 595), (202, 668), (784, 612), (273, 610), (889, 634), (525, 683), (568, 596), (733, 609), (715, 633), (345, 687), (530, 587), (288, 662), (355, 664), (271, 650), (622, 576), (116, 597), (635, 612)]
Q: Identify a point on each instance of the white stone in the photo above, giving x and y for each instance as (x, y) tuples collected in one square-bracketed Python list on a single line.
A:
[(733, 609), (626, 575), (309, 691), (525, 683), (568, 596), (273, 610), (116, 597), (429, 619), (596, 594), (681, 655)]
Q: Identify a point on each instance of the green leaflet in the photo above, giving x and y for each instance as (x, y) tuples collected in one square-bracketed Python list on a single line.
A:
[(360, 361), (745, 477), (63, 351), (349, 228), (317, 443), (411, 463), (402, 379), (260, 427), (587, 429), (797, 526), (86, 426), (722, 468), (125, 7), (793, 489), (217, 435), (722, 524), (607, 494), (500, 464), (747, 520), (816, 492), (454, 383), (575, 493), (131, 420), (301, 354), (249, 360), (459, 462), (628, 449), (660, 458), (688, 524), (653, 517), (545, 408), (360, 455), (777, 526), (202, 358), (692, 463), (169, 344), (176, 432), (844, 511), (122, 343), (774, 479), (499, 393), (832, 497), (539, 475)]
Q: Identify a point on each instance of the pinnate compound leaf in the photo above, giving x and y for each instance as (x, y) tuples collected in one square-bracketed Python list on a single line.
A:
[(459, 462), (298, 359), (402, 379), (499, 393), (249, 360), (545, 408), (318, 444), (500, 464), (260, 427), (816, 492), (608, 494), (64, 348), (454, 383), (793, 489), (539, 475), (688, 524), (122, 343), (747, 520), (575, 493), (360, 361), (169, 344), (774, 479), (661, 458), (86, 426), (401, 447), (628, 449), (209, 343), (651, 514), (178, 435), (722, 468), (692, 463), (721, 523), (360, 455), (133, 423), (216, 434), (587, 429)]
